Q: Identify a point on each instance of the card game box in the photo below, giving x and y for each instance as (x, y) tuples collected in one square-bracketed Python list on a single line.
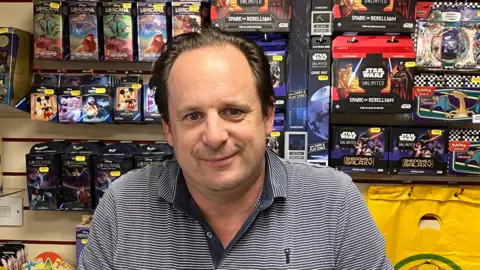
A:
[(153, 28), (418, 151), (360, 149), (373, 74), (118, 27), (48, 30), (251, 15), (374, 16), (188, 16), (464, 148), (83, 31), (276, 143), (296, 145), (82, 231), (447, 98), (319, 99), (150, 108), (43, 103), (96, 106)]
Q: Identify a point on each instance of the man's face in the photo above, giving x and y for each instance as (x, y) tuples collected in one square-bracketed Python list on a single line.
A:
[(216, 124)]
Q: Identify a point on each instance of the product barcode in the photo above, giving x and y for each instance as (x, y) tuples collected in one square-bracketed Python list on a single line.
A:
[(476, 119)]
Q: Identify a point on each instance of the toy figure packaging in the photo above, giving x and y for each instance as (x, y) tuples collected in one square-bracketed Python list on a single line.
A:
[(150, 109), (77, 172), (319, 99), (188, 17), (44, 176), (418, 151), (127, 101), (82, 231), (296, 145), (152, 154), (83, 34), (276, 143), (373, 74), (152, 30), (447, 98), (43, 103), (96, 100), (118, 30), (113, 161), (374, 16), (322, 18), (360, 149), (251, 15), (15, 70), (464, 156), (48, 30), (70, 99)]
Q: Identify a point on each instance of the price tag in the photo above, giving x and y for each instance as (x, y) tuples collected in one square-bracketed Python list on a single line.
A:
[(194, 8), (436, 132), (75, 93), (80, 158), (322, 77), (49, 91), (3, 30), (136, 86), (410, 64), (275, 134), (375, 130), (157, 7), (44, 169), (476, 118), (115, 173), (277, 58), (100, 90), (55, 5), (476, 79), (127, 5)]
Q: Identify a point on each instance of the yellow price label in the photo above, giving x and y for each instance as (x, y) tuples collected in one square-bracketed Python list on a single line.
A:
[(275, 134), (322, 77), (410, 64), (436, 132), (277, 58), (476, 79), (1, 82), (84, 241), (75, 93), (478, 14), (49, 91), (80, 158), (115, 173), (3, 30), (158, 7), (55, 5), (194, 8), (100, 90), (127, 5), (375, 130), (43, 169), (136, 86)]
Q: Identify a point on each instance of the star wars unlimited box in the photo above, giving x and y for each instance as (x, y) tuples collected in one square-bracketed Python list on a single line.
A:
[(372, 74), (319, 99), (374, 16), (251, 15)]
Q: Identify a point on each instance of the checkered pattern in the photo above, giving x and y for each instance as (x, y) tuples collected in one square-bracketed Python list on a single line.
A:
[(448, 80), (468, 135), (456, 5), (428, 80)]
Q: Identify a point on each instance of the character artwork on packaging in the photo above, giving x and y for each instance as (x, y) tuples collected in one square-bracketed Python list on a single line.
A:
[(451, 98), (83, 36), (118, 31), (372, 74), (127, 100), (43, 103), (418, 151), (48, 31), (152, 30), (150, 108), (464, 147), (359, 149), (70, 99), (187, 17), (251, 15)]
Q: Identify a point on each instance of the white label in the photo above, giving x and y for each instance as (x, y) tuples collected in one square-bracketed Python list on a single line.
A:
[(476, 119), (451, 16)]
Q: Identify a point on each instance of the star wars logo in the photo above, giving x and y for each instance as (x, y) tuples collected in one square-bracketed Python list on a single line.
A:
[(373, 79), (82, 10), (319, 56), (116, 10), (251, 3), (348, 135), (407, 137), (373, 73)]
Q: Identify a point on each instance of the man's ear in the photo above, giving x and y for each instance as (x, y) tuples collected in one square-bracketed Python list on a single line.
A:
[(269, 120), (168, 131)]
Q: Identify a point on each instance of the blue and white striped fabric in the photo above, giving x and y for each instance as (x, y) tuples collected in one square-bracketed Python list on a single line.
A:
[(308, 217)]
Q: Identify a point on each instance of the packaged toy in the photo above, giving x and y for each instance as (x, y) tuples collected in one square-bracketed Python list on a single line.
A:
[(450, 98), (360, 149), (70, 99), (418, 151), (188, 17), (150, 109), (43, 103), (152, 154), (15, 69), (118, 31), (251, 16), (44, 176), (374, 16), (296, 145), (464, 147), (319, 99), (152, 30), (127, 100), (48, 30), (83, 34), (372, 74), (78, 164), (276, 143), (96, 99)]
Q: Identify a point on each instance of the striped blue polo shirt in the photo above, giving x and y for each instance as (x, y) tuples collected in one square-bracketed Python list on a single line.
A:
[(307, 217)]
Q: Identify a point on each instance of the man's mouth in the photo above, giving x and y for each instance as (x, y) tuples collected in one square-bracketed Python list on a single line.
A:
[(219, 161)]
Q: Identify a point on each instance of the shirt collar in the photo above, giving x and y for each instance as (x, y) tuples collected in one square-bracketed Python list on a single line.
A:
[(172, 188)]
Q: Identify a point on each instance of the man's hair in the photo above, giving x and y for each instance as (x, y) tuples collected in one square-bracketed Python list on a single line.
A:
[(211, 36)]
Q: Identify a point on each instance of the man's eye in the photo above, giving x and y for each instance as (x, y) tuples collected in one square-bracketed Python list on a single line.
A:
[(193, 116), (234, 112)]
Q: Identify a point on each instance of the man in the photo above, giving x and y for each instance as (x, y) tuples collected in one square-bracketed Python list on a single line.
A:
[(225, 202)]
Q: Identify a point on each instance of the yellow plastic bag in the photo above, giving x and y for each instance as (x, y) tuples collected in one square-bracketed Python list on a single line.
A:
[(398, 211)]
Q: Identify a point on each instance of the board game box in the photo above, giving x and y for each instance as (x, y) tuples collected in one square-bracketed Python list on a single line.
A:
[(464, 156)]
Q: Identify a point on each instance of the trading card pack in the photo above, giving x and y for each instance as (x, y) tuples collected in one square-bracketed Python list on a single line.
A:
[(464, 156), (251, 15), (319, 99), (43, 103), (83, 34), (276, 143), (44, 175), (127, 101), (322, 18), (48, 30), (152, 30), (118, 30), (418, 151), (152, 154), (360, 149), (70, 99), (374, 16), (447, 98), (187, 17), (373, 74), (150, 108), (96, 104), (296, 145)]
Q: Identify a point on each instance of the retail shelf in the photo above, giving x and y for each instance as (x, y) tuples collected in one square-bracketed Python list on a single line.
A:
[(11, 191), (7, 111), (44, 66), (371, 178)]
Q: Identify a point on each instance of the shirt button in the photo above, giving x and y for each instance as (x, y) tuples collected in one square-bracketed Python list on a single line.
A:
[(209, 234)]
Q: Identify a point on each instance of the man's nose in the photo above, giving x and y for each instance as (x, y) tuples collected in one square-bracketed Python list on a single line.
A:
[(215, 133)]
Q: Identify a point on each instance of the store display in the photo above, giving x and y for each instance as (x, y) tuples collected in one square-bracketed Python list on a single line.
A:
[(322, 18), (12, 256), (127, 100), (319, 99), (15, 63), (82, 231), (118, 30), (374, 16), (83, 31), (152, 154), (373, 74), (296, 145), (96, 94), (48, 30), (447, 98), (418, 151), (360, 149), (187, 16), (150, 108), (464, 147), (251, 16), (44, 175), (70, 99), (152, 30)]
